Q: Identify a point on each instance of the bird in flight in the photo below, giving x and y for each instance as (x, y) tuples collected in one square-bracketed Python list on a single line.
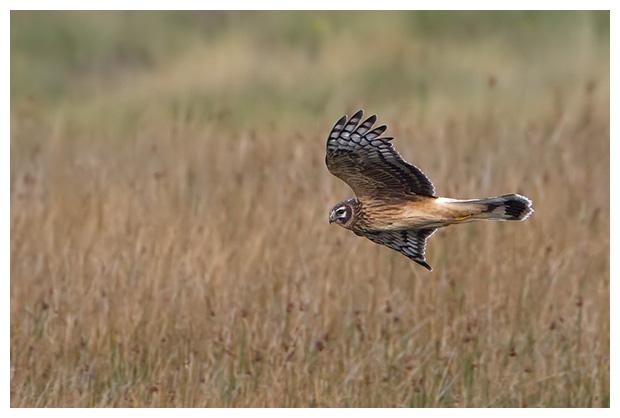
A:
[(395, 202)]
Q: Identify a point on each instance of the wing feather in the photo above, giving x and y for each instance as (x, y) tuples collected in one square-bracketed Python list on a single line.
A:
[(411, 243), (369, 164)]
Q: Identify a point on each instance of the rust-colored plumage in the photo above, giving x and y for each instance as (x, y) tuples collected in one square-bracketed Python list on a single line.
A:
[(396, 204)]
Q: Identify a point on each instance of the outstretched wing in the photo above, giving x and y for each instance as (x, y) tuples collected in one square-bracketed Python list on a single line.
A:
[(411, 243), (370, 165)]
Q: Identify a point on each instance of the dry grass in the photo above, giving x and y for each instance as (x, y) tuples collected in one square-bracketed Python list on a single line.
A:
[(170, 243)]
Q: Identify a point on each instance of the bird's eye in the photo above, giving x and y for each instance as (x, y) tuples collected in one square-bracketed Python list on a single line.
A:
[(340, 212)]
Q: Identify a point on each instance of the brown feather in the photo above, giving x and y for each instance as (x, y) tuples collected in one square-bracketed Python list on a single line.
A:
[(370, 165)]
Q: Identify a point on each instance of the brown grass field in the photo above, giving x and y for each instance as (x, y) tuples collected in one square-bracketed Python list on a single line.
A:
[(170, 243)]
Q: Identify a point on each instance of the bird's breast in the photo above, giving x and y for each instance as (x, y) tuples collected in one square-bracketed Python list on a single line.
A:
[(401, 214)]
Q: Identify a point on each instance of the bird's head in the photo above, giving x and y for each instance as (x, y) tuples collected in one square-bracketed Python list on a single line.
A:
[(342, 213)]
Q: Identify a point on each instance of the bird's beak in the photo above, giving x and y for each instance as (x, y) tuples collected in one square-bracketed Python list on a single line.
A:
[(331, 218)]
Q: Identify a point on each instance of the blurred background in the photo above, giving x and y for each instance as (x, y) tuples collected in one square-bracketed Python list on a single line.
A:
[(170, 243)]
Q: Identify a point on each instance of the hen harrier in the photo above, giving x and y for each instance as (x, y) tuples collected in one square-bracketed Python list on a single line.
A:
[(396, 204)]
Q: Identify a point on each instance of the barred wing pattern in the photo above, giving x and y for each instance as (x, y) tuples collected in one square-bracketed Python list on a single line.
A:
[(411, 243), (370, 165)]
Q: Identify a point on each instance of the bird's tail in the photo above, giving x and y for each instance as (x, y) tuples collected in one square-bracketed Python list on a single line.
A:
[(509, 207)]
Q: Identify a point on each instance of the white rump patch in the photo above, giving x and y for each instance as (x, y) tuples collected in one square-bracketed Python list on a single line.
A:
[(446, 200)]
